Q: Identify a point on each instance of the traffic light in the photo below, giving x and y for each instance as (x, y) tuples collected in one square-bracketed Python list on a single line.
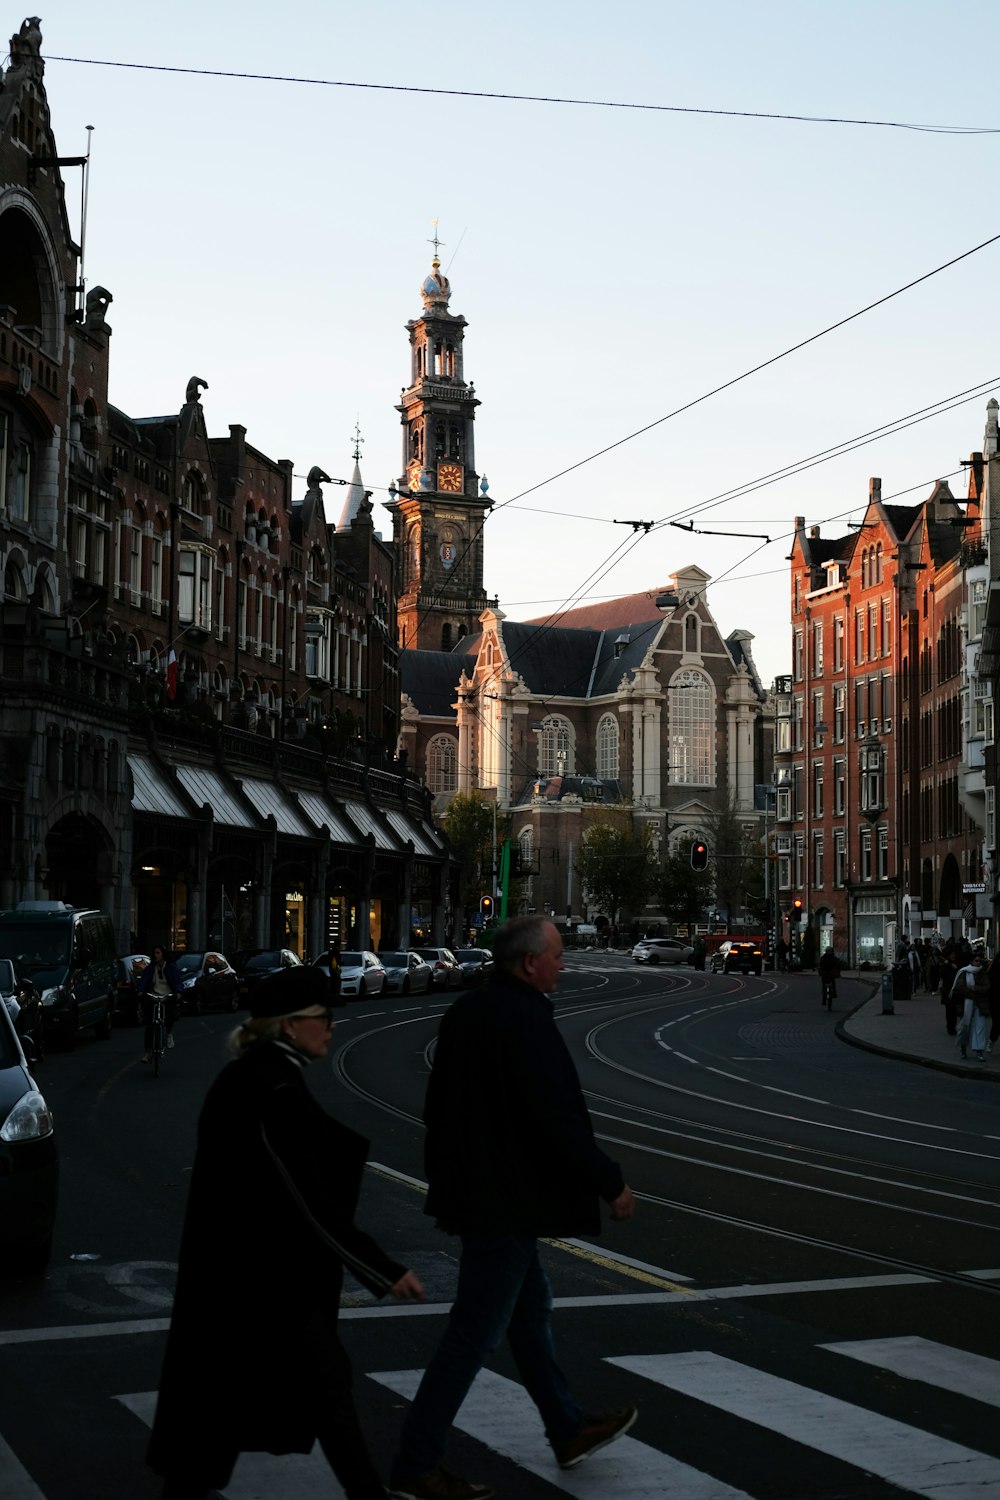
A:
[(699, 855), (797, 909), (486, 908)]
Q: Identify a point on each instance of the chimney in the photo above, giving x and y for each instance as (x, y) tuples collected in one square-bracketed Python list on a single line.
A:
[(874, 492), (814, 533)]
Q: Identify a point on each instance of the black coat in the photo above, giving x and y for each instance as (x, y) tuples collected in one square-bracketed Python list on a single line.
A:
[(510, 1147), (267, 1234)]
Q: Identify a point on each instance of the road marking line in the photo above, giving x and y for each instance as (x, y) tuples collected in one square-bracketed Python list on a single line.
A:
[(15, 1481), (499, 1413), (638, 1270), (905, 1456), (939, 1365)]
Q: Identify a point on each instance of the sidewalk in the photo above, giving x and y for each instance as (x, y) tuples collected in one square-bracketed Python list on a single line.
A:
[(914, 1032)]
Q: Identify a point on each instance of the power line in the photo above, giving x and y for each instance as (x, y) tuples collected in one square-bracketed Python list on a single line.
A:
[(618, 104)]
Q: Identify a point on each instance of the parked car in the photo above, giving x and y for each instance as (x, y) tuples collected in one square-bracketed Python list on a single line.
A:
[(128, 972), (69, 954), (251, 964), (662, 951), (476, 965), (361, 973), (406, 973), (210, 982), (735, 954), (29, 1164), (24, 1006), (447, 969)]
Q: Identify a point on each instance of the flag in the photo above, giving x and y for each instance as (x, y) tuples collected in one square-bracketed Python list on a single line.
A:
[(171, 675)]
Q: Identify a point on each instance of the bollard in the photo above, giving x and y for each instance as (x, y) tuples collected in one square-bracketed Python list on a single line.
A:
[(887, 1008)]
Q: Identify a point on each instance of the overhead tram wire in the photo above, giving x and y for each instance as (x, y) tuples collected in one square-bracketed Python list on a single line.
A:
[(502, 97)]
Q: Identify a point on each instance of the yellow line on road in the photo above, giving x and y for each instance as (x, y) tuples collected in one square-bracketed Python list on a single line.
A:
[(609, 1263)]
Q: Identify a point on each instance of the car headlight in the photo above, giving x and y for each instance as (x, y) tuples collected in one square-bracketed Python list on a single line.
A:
[(49, 997), (29, 1120)]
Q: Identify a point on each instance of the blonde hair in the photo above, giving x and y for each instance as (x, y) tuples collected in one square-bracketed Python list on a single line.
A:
[(253, 1031)]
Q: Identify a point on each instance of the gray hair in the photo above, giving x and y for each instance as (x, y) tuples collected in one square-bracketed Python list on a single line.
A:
[(519, 937)]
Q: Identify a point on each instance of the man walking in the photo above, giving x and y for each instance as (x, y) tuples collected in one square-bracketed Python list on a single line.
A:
[(510, 1156)]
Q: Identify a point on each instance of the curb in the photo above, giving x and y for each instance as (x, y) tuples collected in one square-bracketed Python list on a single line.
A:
[(956, 1069)]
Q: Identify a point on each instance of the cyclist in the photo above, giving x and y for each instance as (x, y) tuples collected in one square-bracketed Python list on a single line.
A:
[(829, 968), (160, 979)]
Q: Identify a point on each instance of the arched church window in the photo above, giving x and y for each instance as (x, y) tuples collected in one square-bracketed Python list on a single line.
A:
[(607, 748), (445, 637), (692, 729), (556, 747), (442, 763), (13, 581), (439, 439)]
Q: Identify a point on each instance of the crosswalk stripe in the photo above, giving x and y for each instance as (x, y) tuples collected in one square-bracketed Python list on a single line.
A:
[(257, 1476), (499, 1413), (905, 1456), (15, 1481), (939, 1365)]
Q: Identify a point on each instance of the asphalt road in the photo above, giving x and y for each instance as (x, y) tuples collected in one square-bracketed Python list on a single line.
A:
[(805, 1305)]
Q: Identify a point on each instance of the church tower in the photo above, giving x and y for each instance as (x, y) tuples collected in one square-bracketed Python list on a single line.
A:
[(439, 506)]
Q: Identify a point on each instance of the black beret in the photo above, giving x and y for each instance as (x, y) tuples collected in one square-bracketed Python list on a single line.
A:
[(290, 990)]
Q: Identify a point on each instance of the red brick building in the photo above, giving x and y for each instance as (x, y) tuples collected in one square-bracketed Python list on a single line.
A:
[(874, 831)]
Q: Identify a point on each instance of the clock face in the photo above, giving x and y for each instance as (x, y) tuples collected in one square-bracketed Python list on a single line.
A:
[(450, 478)]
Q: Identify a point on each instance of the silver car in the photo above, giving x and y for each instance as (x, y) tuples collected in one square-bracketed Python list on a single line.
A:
[(662, 951), (406, 973)]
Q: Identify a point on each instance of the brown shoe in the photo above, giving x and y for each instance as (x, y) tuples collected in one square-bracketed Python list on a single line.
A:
[(595, 1433), (438, 1485)]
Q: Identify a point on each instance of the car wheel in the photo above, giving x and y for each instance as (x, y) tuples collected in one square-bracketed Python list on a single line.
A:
[(234, 1001), (404, 988), (654, 958), (102, 1029), (362, 990), (67, 1030)]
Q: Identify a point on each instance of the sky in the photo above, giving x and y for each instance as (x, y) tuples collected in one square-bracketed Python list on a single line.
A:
[(614, 264)]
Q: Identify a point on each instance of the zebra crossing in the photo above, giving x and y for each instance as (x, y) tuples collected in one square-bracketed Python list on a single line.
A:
[(499, 1414)]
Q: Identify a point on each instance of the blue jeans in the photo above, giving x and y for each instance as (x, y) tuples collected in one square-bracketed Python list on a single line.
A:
[(501, 1289)]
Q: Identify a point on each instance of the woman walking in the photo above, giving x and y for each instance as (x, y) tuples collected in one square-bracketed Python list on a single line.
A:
[(253, 1359)]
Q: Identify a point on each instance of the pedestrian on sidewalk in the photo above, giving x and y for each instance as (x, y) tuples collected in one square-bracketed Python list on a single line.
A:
[(946, 983), (994, 977), (253, 1360), (510, 1157), (972, 989), (160, 979)]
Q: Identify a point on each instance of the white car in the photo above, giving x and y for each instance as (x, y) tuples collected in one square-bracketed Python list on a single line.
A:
[(662, 951), (361, 974)]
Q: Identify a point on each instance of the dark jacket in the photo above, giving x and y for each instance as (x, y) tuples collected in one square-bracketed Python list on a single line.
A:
[(267, 1234), (171, 974), (510, 1147)]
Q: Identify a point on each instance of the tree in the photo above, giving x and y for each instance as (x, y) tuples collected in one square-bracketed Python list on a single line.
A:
[(683, 893), (737, 855), (468, 822), (616, 865)]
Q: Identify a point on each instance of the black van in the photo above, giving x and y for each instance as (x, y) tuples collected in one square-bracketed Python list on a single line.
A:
[(70, 955)]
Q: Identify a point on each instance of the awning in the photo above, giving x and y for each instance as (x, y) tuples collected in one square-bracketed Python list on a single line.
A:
[(208, 786), (321, 812), (359, 814), (270, 800), (151, 792), (409, 828)]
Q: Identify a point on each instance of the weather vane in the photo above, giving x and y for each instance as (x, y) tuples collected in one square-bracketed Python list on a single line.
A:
[(435, 241), (358, 440)]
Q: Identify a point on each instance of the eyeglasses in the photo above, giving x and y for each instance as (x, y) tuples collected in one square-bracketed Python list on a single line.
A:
[(326, 1016)]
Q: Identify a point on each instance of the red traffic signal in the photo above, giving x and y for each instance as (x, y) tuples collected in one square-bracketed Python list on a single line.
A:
[(797, 909), (486, 908), (699, 855)]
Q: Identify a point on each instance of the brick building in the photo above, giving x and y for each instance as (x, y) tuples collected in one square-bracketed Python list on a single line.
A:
[(878, 828), (198, 669)]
